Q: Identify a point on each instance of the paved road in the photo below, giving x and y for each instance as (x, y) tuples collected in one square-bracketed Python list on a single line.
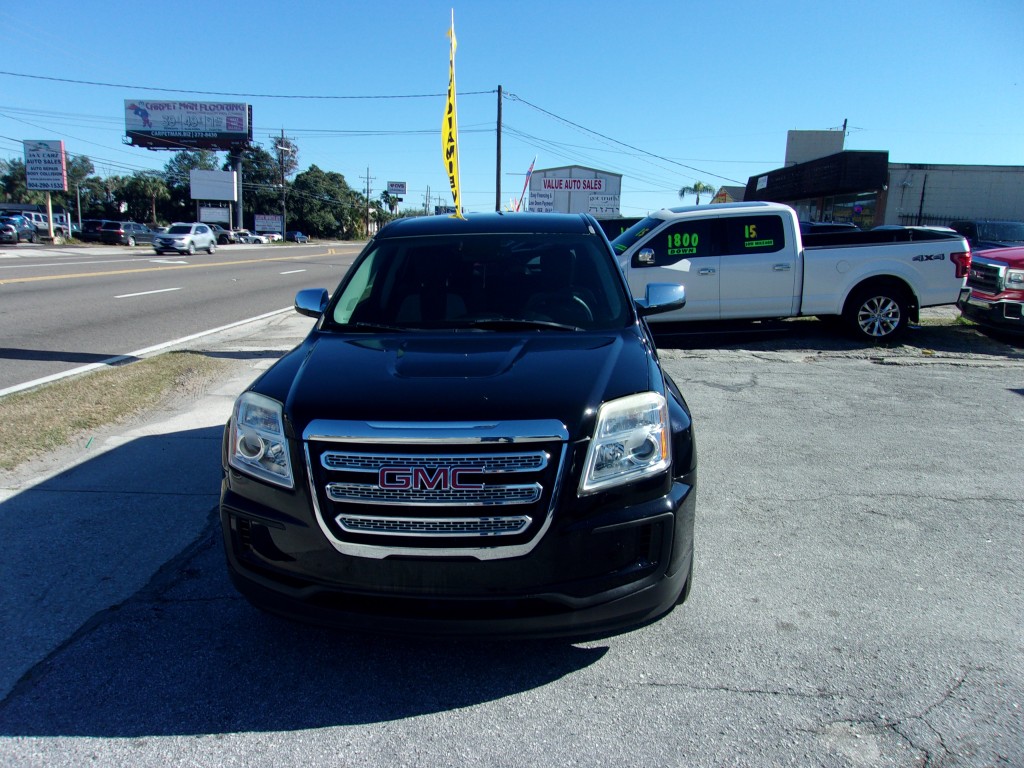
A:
[(857, 598), (67, 307)]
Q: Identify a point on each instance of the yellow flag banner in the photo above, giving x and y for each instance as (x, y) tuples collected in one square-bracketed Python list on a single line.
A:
[(450, 127)]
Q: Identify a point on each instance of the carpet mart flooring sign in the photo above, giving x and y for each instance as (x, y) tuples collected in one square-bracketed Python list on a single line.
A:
[(45, 166)]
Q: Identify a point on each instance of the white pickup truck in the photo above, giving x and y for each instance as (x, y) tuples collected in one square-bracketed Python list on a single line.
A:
[(749, 261)]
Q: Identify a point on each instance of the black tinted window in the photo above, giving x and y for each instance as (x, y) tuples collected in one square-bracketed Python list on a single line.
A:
[(753, 234), (682, 240), (421, 283)]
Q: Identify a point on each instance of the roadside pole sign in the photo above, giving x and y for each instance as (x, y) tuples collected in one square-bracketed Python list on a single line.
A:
[(45, 166)]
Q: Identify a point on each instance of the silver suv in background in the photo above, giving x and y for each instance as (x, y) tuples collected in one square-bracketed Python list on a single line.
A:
[(186, 238)]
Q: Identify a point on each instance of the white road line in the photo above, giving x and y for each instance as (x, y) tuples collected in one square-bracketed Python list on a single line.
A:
[(145, 293), (138, 353), (292, 272)]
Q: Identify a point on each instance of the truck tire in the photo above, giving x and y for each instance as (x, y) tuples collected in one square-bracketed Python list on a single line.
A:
[(878, 312)]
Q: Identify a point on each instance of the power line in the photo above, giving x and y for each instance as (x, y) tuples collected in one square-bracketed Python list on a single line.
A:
[(240, 95), (514, 97)]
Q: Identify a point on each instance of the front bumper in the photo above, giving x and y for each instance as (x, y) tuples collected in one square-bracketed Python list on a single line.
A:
[(1005, 314), (617, 567)]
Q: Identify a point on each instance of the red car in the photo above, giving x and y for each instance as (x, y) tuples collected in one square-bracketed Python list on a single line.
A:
[(996, 281)]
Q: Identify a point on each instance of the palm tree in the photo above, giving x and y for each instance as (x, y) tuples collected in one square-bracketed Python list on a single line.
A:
[(699, 188)]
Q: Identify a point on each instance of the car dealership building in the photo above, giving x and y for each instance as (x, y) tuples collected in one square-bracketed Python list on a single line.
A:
[(864, 188)]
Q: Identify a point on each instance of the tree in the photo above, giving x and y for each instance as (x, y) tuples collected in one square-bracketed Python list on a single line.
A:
[(140, 193), (261, 181), (323, 204), (176, 175), (698, 188), (391, 201)]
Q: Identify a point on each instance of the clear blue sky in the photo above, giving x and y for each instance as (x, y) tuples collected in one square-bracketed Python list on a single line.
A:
[(665, 93)]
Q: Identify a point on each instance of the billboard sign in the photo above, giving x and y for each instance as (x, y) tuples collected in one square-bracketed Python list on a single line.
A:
[(397, 188), (213, 185), (541, 201), (214, 125), (268, 222), (45, 166)]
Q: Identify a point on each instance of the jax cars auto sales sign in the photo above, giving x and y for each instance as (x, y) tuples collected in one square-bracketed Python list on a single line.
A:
[(45, 166)]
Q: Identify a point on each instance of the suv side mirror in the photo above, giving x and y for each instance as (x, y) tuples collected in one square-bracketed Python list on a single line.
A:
[(311, 301)]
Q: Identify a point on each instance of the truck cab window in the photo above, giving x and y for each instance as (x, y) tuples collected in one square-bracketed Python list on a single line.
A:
[(683, 240), (753, 234)]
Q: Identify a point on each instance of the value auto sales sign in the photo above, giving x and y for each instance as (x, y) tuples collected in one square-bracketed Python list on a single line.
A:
[(45, 166)]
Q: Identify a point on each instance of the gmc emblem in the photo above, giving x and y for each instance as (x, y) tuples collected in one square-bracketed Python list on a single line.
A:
[(427, 478)]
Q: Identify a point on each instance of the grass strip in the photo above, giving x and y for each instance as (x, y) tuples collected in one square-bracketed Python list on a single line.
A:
[(55, 415)]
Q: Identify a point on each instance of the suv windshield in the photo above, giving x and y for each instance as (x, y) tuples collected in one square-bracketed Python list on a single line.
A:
[(483, 281), (180, 229), (1001, 231)]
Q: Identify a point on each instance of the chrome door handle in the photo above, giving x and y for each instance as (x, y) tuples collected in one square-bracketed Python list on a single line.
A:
[(781, 267), (706, 271)]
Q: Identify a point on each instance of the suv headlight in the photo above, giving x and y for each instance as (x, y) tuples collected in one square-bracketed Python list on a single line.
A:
[(1015, 279), (258, 445), (631, 440)]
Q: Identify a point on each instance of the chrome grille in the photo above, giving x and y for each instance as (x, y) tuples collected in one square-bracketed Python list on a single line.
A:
[(486, 463), (488, 495), (435, 489), (432, 526), (986, 277)]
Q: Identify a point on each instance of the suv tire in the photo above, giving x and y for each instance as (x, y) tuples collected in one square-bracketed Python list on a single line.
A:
[(212, 247), (191, 249)]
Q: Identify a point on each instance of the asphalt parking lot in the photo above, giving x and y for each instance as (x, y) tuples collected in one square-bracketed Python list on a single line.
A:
[(857, 597)]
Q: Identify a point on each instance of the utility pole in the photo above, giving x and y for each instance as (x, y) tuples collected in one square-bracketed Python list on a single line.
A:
[(497, 173), (281, 149), (368, 179)]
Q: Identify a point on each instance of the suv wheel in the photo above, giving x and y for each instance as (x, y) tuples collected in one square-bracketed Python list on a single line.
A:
[(191, 249), (213, 247), (131, 242)]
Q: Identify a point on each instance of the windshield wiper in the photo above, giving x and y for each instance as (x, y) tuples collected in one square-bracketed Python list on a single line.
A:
[(375, 327), (510, 324)]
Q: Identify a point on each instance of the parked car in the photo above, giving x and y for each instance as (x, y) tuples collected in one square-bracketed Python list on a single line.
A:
[(273, 237), (245, 236), (187, 238), (996, 282), (91, 230), (295, 237), (983, 234), (8, 232), (475, 437), (125, 233), (24, 228), (224, 236)]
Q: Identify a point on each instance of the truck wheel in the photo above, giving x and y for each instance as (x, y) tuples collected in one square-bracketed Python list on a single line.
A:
[(877, 312)]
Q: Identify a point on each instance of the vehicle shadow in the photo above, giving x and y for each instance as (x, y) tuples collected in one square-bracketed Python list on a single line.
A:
[(824, 336), (46, 355), (120, 620)]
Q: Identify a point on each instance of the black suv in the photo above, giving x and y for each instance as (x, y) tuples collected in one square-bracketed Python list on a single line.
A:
[(984, 234), (476, 437), (125, 233), (91, 229)]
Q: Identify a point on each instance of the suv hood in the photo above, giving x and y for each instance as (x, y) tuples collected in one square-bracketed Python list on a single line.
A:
[(1012, 257), (472, 376)]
